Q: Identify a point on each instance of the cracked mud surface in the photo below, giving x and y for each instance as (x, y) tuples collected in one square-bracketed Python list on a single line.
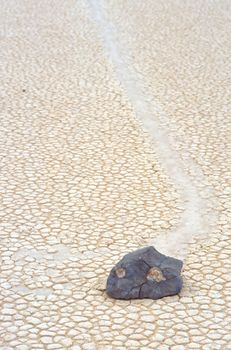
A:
[(90, 172)]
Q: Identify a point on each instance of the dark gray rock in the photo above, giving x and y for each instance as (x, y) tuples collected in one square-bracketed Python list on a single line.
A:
[(145, 273)]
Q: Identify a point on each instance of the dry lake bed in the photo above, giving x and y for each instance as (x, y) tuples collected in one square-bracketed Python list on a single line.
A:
[(114, 135)]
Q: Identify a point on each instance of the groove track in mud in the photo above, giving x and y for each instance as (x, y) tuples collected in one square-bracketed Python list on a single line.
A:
[(198, 214)]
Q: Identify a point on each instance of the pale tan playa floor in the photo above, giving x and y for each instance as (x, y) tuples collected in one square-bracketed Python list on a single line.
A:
[(82, 182)]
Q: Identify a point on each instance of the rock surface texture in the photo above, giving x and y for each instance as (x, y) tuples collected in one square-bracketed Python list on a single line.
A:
[(145, 273)]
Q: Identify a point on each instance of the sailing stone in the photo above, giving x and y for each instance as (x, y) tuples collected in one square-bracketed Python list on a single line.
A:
[(145, 273)]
